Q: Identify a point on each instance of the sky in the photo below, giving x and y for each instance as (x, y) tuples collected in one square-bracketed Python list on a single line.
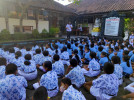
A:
[(64, 2)]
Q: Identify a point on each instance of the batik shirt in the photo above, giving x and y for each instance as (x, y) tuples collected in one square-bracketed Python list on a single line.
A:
[(12, 87), (50, 51), (65, 55), (72, 94), (16, 49), (2, 72), (23, 51), (76, 76), (58, 67), (111, 55), (49, 80), (103, 61), (38, 58), (46, 58), (28, 68), (94, 65), (18, 62), (118, 71), (107, 83)]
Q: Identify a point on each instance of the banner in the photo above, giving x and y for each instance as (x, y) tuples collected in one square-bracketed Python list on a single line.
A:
[(112, 26)]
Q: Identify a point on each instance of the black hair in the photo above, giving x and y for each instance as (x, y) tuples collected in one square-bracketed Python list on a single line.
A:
[(116, 48), (18, 54), (76, 56), (28, 48), (64, 48), (38, 51), (56, 57), (125, 52), (104, 53), (100, 48), (45, 53), (48, 65), (108, 68), (93, 55), (76, 44), (69, 46), (81, 49), (92, 45), (115, 59), (56, 49), (73, 62), (11, 69), (3, 61), (40, 94), (27, 57), (11, 50), (126, 59), (111, 49), (27, 62)]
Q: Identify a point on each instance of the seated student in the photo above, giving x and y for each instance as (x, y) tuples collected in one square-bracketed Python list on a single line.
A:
[(18, 60), (29, 51), (103, 59), (69, 50), (118, 53), (12, 87), (61, 45), (38, 57), (76, 46), (40, 94), (92, 49), (77, 57), (111, 53), (75, 75), (130, 49), (16, 48), (118, 71), (28, 69), (81, 51), (49, 80), (93, 69), (86, 58), (58, 66), (106, 86), (3, 63), (69, 91), (65, 56), (11, 55), (57, 50), (126, 65), (99, 52), (48, 48), (35, 47), (23, 50)]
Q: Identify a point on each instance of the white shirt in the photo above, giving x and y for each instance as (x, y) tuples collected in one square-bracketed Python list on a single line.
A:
[(69, 27)]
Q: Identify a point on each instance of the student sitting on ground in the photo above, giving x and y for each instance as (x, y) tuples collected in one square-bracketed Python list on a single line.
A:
[(28, 69), (106, 86), (58, 66), (40, 94), (93, 69), (49, 80), (69, 91), (86, 58), (103, 59), (3, 63), (75, 75), (12, 87)]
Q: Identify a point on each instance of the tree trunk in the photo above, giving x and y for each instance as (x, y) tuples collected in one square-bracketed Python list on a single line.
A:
[(7, 23)]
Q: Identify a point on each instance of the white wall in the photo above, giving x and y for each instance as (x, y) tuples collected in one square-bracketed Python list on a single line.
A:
[(15, 22)]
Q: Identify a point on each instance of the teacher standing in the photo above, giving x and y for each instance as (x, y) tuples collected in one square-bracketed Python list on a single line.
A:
[(69, 30)]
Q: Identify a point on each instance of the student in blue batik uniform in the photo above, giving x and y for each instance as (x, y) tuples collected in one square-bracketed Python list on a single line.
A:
[(11, 55), (111, 53), (118, 53), (57, 50), (12, 87), (86, 58), (3, 63), (69, 50), (81, 51), (23, 50), (99, 52), (103, 59), (93, 69), (29, 51), (69, 91), (127, 67), (38, 57), (18, 60), (58, 66), (130, 48), (75, 75), (40, 94), (49, 49), (28, 69), (106, 86), (92, 49), (118, 70), (76, 46), (49, 80)]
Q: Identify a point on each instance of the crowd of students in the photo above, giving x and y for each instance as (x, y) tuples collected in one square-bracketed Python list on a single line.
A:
[(110, 61)]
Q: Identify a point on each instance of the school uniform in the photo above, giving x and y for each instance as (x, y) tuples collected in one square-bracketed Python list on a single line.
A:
[(105, 87), (87, 57), (50, 51), (65, 58), (23, 52), (132, 58), (54, 52), (16, 49), (80, 63), (18, 62), (80, 53), (46, 58), (50, 82), (69, 51), (13, 88), (76, 76), (29, 52), (126, 70), (72, 94), (58, 67), (111, 55), (103, 60), (10, 57), (94, 69), (118, 71), (38, 59), (61, 46), (130, 53), (98, 55), (2, 71), (35, 47), (92, 49), (28, 71)]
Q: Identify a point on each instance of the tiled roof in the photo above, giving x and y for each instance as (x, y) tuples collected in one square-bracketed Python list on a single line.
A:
[(100, 6)]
